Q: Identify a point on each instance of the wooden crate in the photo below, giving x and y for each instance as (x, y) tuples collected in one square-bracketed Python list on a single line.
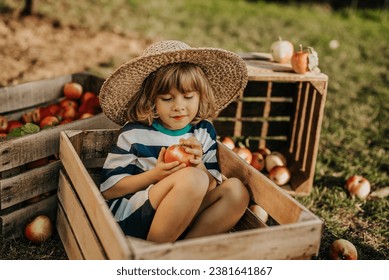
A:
[(18, 185), (282, 111), (88, 230)]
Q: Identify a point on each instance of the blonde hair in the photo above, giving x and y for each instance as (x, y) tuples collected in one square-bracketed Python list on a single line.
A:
[(185, 77)]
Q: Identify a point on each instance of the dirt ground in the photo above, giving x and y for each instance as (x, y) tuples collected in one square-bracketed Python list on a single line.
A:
[(35, 48)]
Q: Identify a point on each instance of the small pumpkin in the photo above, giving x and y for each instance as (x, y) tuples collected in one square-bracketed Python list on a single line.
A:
[(282, 50)]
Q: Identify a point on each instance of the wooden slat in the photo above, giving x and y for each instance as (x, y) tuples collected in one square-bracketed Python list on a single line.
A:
[(31, 147), (81, 227), (293, 241), (66, 234), (107, 230), (31, 94), (264, 191), (29, 184), (12, 224), (265, 115)]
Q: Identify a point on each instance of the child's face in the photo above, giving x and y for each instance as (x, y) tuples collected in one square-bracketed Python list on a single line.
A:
[(176, 109)]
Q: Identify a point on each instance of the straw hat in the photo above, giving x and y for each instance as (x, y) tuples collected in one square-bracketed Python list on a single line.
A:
[(225, 70)]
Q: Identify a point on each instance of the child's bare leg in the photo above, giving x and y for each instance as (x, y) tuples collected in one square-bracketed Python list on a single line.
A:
[(176, 199), (221, 209)]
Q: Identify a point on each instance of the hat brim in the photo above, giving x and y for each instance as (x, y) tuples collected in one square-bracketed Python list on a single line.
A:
[(226, 71)]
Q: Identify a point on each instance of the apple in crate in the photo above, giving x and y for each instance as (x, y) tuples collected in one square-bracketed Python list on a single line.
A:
[(274, 159), (72, 90), (3, 123), (342, 249), (49, 121), (280, 175), (259, 212), (13, 124), (39, 229), (258, 161), (358, 186), (244, 153), (228, 142)]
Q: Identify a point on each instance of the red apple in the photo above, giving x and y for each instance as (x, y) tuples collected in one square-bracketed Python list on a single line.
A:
[(343, 249), (299, 61), (48, 121), (39, 230), (244, 153), (3, 135), (274, 159), (3, 123), (69, 112), (258, 161), (92, 106), (72, 90), (40, 113), (27, 117), (87, 95), (54, 109), (13, 124), (177, 153), (259, 212), (280, 175), (228, 142), (68, 102), (358, 186)]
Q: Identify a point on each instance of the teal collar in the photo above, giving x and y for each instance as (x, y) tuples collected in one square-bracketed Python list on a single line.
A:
[(170, 132)]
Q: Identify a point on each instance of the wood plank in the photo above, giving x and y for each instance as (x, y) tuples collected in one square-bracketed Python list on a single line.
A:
[(67, 237), (81, 227), (12, 224), (106, 228), (31, 94), (28, 184), (264, 192), (31, 147), (292, 241)]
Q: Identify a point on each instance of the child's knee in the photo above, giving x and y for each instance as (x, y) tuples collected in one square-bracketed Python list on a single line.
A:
[(193, 181), (237, 192)]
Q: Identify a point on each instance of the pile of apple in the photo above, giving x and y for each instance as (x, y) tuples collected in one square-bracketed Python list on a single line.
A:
[(262, 159), (75, 105), (302, 61)]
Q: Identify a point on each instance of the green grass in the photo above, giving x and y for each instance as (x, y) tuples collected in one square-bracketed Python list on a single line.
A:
[(355, 128)]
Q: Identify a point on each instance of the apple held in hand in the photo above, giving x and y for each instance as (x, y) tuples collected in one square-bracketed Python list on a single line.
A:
[(282, 50), (358, 186), (343, 249), (39, 230), (177, 153)]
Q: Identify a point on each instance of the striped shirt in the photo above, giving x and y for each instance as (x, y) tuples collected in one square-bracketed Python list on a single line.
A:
[(138, 146)]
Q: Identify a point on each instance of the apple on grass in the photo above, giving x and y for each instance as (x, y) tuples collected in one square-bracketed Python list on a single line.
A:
[(358, 186), (39, 229), (342, 249)]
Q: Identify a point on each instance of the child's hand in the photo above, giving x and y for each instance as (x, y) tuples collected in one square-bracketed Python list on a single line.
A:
[(193, 147), (163, 169)]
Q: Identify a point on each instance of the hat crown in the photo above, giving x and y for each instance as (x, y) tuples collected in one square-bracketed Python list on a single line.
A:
[(165, 46)]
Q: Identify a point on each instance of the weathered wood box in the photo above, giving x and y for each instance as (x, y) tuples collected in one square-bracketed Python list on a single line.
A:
[(18, 184), (282, 111), (89, 231)]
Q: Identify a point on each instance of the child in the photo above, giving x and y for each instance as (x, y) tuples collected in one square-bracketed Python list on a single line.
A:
[(162, 98)]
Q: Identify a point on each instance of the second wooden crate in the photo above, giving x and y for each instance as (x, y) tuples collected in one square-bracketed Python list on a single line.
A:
[(282, 111)]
